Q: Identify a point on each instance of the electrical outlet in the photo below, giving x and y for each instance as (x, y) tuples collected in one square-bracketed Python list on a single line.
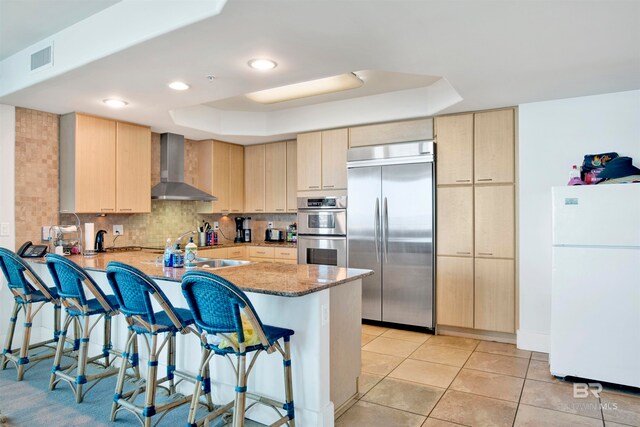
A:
[(118, 230), (216, 227), (45, 232), (4, 229), (270, 224)]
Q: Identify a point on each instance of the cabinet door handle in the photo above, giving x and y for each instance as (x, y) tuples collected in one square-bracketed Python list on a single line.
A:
[(107, 209), (279, 210), (314, 186), (259, 210), (126, 209), (329, 186), (485, 179), (485, 253), (463, 253), (464, 180)]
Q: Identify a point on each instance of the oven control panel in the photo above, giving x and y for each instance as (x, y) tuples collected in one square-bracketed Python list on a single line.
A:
[(339, 202)]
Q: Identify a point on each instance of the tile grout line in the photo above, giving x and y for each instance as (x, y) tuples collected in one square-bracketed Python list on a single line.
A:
[(515, 416)]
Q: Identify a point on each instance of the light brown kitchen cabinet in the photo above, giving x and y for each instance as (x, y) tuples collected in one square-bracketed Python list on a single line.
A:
[(455, 221), (494, 146), (454, 291), (104, 165), (275, 177), (292, 177), (390, 133), (475, 234), (494, 221), (309, 155), (335, 144), (236, 178), (133, 168), (218, 164), (495, 295), (254, 178), (454, 136)]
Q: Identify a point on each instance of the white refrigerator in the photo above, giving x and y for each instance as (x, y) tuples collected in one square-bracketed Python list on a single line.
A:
[(595, 297)]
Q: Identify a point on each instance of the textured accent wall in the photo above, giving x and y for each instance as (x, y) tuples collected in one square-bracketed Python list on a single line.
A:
[(37, 193), (36, 172)]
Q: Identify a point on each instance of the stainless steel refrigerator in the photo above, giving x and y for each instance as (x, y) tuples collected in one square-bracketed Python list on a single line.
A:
[(390, 230)]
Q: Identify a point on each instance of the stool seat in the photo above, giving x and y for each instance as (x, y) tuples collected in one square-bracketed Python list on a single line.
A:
[(273, 334), (163, 322), (94, 307), (39, 296)]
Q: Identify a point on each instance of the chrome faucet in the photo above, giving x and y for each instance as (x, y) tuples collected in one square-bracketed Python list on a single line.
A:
[(177, 241)]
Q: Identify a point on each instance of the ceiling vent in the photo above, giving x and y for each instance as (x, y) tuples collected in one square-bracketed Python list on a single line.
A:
[(42, 59)]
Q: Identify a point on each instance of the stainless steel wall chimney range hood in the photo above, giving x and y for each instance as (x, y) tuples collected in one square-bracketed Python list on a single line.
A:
[(172, 185)]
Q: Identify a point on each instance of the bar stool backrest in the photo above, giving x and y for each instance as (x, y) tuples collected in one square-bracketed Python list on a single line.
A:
[(71, 281), (15, 269), (133, 290), (216, 303)]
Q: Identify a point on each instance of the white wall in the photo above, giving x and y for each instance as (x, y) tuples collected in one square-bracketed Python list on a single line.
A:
[(553, 136), (7, 202)]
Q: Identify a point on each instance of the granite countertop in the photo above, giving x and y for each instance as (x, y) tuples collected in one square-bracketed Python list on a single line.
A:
[(266, 278), (232, 244)]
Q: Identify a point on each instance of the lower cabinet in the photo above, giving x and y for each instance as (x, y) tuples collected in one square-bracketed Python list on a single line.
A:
[(495, 295), (454, 291)]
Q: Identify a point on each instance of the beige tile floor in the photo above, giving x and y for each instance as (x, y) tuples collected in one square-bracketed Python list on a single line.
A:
[(411, 379)]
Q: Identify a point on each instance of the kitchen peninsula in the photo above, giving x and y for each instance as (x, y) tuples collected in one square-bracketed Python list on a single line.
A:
[(322, 304)]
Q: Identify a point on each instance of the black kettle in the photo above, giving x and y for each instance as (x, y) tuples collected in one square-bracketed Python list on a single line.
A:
[(100, 240)]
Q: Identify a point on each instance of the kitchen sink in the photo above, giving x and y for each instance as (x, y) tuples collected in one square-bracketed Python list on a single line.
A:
[(205, 262)]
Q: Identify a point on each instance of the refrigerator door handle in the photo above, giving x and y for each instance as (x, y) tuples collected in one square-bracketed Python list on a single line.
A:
[(385, 230), (376, 228)]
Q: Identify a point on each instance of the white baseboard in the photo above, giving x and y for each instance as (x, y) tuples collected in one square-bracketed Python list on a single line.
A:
[(533, 341)]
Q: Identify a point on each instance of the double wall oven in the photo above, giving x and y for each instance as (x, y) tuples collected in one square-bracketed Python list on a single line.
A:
[(322, 230)]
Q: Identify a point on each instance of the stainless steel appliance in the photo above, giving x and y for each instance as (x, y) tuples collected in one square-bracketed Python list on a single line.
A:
[(391, 230), (322, 230)]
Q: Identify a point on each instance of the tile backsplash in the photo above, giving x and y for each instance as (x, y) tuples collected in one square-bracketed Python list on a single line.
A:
[(37, 193)]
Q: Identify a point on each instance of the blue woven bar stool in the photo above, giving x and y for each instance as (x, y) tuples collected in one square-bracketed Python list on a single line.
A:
[(28, 291), (134, 290), (71, 282), (216, 305)]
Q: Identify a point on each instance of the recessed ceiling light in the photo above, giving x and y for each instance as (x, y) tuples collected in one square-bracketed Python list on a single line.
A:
[(178, 86), (306, 89), (262, 64), (115, 103)]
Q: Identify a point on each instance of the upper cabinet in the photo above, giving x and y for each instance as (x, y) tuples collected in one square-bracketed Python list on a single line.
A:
[(309, 154), (105, 166), (494, 147), (236, 178), (390, 133), (292, 176), (254, 178), (218, 175), (454, 135), (275, 180), (133, 168), (322, 160)]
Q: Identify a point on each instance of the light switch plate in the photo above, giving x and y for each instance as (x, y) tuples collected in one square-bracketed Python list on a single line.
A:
[(216, 227), (45, 232), (4, 229), (270, 224), (118, 230)]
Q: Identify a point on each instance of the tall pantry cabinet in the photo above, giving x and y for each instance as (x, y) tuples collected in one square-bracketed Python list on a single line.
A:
[(476, 220)]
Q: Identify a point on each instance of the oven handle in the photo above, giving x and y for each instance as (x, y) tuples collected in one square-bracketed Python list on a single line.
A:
[(325, 237)]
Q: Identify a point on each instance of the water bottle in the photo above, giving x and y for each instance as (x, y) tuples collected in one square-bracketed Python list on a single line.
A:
[(168, 254)]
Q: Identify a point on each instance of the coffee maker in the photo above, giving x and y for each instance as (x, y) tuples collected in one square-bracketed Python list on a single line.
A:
[(243, 229), (239, 229)]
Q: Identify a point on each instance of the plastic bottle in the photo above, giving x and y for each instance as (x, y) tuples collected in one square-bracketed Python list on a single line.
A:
[(168, 254), (178, 257), (190, 254), (575, 173)]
